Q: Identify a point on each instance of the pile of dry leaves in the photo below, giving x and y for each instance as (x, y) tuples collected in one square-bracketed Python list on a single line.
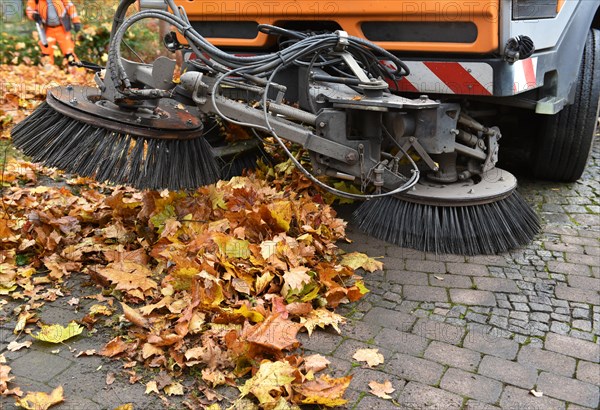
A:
[(219, 280)]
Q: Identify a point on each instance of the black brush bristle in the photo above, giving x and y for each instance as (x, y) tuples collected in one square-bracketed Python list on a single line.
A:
[(248, 160), (56, 140), (465, 230)]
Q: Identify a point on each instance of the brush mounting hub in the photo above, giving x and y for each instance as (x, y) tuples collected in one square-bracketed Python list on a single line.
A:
[(488, 187), (170, 120)]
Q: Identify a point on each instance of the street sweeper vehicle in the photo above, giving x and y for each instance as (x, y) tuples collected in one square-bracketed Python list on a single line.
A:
[(407, 100)]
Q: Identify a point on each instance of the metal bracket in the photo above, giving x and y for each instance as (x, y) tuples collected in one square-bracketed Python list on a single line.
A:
[(412, 142)]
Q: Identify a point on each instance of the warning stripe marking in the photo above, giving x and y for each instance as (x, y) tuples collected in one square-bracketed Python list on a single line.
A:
[(524, 75)]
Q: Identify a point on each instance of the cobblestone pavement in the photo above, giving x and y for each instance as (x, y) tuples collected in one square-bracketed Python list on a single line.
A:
[(456, 332)]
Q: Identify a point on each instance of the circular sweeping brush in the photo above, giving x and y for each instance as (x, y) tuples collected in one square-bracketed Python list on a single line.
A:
[(482, 216), (79, 132)]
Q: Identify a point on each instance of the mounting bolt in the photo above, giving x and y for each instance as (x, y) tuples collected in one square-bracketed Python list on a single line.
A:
[(351, 156), (138, 120), (471, 191), (424, 97), (69, 87), (189, 123), (322, 124), (73, 101)]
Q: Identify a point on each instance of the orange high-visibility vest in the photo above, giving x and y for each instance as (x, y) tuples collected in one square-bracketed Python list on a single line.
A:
[(62, 8)]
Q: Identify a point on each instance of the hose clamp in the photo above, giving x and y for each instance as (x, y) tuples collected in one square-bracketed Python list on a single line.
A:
[(342, 42)]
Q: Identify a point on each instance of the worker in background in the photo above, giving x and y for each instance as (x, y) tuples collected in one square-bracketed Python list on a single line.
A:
[(58, 18)]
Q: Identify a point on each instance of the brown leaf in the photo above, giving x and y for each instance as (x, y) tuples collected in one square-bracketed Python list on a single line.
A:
[(325, 390), (110, 378), (274, 332), (134, 316), (14, 345), (382, 390), (114, 347), (128, 276)]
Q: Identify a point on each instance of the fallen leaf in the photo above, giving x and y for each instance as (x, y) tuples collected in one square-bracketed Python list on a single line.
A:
[(58, 333), (322, 317), (14, 345), (371, 356), (151, 387), (134, 316), (174, 389), (110, 378), (268, 380), (536, 393), (274, 332), (325, 390), (89, 352), (315, 363), (382, 390), (357, 260), (41, 400), (126, 406), (438, 277)]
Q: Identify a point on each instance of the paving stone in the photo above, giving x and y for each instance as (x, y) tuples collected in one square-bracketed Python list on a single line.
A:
[(452, 356), (489, 344), (472, 297), (515, 398), (320, 341), (415, 369), (500, 312), (404, 277), (476, 317), (588, 372), (39, 366), (563, 247), (362, 376), (348, 347), (498, 321), (401, 342), (477, 405), (569, 268), (560, 318), (579, 313), (425, 266), (589, 260), (496, 284), (442, 332), (578, 295), (571, 390), (519, 315), (390, 319), (468, 269), (493, 260), (471, 385), (523, 307), (451, 281), (425, 293), (418, 396), (375, 403), (539, 317), (569, 346), (584, 325), (583, 282), (538, 307), (582, 335), (560, 328), (508, 372)]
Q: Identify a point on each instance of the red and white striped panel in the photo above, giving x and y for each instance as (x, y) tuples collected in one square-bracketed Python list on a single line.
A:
[(447, 78), (524, 75)]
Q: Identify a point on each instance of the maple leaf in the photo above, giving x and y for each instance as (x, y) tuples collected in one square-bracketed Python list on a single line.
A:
[(174, 389), (151, 387), (281, 212), (296, 278), (14, 345), (269, 380), (128, 276), (134, 316), (274, 332), (357, 260), (41, 400), (315, 363), (114, 347), (382, 390), (5, 378), (325, 390), (322, 317), (58, 333), (371, 356)]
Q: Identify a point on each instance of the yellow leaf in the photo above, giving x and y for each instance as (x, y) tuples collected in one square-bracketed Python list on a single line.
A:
[(281, 211), (253, 315), (371, 356), (58, 333), (270, 378), (174, 389), (126, 406), (357, 260), (322, 317), (151, 387), (41, 400), (325, 390), (100, 310)]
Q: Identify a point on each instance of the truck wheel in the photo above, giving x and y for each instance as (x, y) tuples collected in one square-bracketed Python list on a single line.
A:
[(565, 139)]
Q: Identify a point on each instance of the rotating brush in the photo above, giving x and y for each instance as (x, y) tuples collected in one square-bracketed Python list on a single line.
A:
[(453, 225), (76, 131)]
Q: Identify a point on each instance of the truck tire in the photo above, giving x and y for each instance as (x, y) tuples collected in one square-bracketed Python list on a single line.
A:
[(565, 139)]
